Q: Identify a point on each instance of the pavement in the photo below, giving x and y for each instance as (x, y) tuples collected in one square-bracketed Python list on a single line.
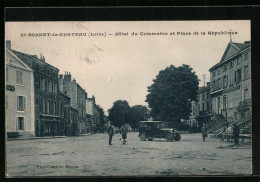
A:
[(45, 137), (92, 156)]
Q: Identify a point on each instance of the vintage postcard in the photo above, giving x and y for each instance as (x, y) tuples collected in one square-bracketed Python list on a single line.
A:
[(128, 98)]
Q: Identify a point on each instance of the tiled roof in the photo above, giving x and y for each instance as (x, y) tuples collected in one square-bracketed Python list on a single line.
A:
[(26, 57), (241, 46)]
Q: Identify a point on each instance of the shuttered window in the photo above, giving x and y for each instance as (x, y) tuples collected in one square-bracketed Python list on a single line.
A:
[(21, 103)]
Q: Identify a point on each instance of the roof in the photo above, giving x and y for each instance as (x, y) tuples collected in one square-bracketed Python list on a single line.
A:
[(25, 57), (237, 49)]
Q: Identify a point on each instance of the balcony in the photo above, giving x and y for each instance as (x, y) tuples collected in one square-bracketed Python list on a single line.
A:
[(202, 113), (244, 104)]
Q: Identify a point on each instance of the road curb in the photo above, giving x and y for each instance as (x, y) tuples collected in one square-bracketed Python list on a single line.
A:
[(37, 138)]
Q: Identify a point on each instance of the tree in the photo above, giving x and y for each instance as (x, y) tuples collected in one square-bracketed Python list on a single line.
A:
[(102, 117), (170, 96), (137, 113), (119, 113)]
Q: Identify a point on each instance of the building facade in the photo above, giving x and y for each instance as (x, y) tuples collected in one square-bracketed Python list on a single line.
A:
[(20, 111), (47, 118), (204, 105), (231, 83), (64, 112), (77, 101)]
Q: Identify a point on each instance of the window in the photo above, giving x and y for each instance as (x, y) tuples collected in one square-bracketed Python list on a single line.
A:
[(231, 79), (225, 82), (20, 123), (246, 72), (246, 94), (19, 77), (55, 88), (219, 84), (47, 85), (48, 106), (235, 114), (21, 103), (203, 107), (231, 64), (213, 74), (43, 105), (225, 67), (218, 71), (239, 60), (41, 69), (54, 108), (50, 86), (246, 56), (48, 72), (42, 85), (224, 102), (61, 108), (238, 75), (202, 96), (37, 101)]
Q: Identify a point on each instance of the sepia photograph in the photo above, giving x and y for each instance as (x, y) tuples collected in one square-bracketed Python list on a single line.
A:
[(128, 98)]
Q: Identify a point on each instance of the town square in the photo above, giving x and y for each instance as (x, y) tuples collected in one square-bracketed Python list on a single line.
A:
[(128, 98)]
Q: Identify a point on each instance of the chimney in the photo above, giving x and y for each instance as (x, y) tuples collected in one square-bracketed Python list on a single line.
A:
[(203, 80), (61, 76), (43, 58), (40, 56), (8, 44), (67, 77)]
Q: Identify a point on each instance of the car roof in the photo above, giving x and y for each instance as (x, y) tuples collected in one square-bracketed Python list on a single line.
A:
[(150, 121)]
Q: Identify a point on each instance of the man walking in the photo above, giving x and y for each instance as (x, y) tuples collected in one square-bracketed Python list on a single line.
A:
[(123, 131), (110, 132), (236, 132), (204, 132)]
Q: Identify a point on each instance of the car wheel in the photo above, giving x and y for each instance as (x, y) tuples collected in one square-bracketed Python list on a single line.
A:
[(169, 137), (142, 137), (177, 137), (150, 139)]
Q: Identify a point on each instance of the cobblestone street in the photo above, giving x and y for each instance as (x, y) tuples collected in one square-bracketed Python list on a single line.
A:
[(91, 155)]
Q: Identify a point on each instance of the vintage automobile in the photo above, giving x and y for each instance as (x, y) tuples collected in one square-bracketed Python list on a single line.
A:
[(157, 129)]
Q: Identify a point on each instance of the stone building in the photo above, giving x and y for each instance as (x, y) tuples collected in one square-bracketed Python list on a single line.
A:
[(19, 84), (231, 84), (204, 105), (77, 100), (47, 119), (66, 126), (90, 104)]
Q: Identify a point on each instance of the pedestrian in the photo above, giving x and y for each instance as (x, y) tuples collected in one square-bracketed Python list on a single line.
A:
[(110, 132), (123, 131), (236, 132), (204, 132)]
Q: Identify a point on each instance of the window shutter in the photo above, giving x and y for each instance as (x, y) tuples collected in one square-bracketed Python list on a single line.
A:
[(16, 123), (24, 103), (221, 102), (17, 102)]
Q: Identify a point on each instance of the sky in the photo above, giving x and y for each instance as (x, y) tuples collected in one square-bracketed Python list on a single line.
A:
[(114, 67)]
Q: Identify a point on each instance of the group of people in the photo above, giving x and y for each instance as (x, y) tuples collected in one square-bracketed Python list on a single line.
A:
[(123, 131), (236, 132)]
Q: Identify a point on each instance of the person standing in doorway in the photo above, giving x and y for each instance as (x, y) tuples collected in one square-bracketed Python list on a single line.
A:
[(236, 132), (204, 132), (110, 132)]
